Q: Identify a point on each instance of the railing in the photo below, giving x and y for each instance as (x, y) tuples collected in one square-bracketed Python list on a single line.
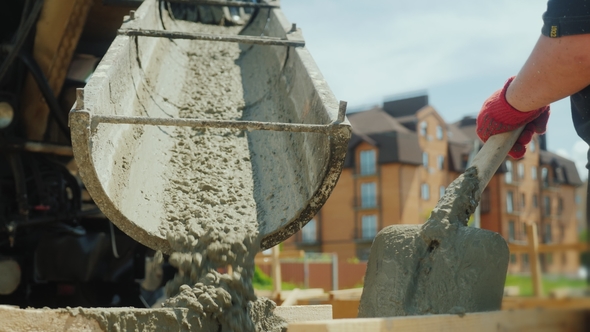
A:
[(533, 248)]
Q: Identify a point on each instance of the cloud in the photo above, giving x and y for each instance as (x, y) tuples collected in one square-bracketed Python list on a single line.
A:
[(460, 51), (378, 48)]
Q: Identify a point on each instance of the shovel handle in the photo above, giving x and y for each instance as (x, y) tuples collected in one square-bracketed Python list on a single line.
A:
[(492, 154)]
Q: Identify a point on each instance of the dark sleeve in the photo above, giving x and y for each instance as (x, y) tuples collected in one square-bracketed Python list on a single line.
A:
[(566, 17)]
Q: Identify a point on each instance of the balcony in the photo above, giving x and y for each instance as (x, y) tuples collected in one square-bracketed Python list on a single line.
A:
[(358, 175), (366, 208)]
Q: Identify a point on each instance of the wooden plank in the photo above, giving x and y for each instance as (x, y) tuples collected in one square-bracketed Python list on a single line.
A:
[(533, 240), (511, 303), (291, 299), (303, 294), (267, 259), (276, 273), (345, 308), (351, 293), (305, 313), (544, 248), (517, 320)]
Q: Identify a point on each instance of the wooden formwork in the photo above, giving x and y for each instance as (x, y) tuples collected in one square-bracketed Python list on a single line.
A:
[(540, 320), (314, 319)]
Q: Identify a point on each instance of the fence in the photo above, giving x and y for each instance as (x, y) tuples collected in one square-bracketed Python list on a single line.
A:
[(310, 270)]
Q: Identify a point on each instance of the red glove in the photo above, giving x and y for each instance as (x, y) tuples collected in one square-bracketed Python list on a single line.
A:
[(497, 116)]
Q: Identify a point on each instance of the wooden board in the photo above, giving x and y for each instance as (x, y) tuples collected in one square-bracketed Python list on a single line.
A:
[(510, 303), (519, 320)]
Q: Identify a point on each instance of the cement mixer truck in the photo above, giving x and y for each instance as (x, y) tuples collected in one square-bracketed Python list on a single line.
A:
[(89, 92)]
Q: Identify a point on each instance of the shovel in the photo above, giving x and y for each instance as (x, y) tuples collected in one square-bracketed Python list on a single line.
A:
[(442, 266)]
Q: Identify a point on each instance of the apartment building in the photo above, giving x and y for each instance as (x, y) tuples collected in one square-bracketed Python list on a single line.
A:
[(400, 160)]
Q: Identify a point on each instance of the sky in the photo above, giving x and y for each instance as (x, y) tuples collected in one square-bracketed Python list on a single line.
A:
[(457, 51)]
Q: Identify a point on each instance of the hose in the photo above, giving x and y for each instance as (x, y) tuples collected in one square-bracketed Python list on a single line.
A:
[(54, 108), (21, 37)]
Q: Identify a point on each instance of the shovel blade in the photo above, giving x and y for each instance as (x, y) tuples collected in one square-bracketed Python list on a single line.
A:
[(463, 270)]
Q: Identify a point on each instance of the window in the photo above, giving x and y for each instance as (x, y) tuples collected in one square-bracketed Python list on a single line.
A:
[(369, 226), (425, 159), (545, 176), (547, 234), (425, 191), (440, 162), (508, 175), (547, 205), (534, 172), (423, 128), (549, 258), (439, 133), (533, 146), (309, 232), (512, 258), (367, 162), (522, 201), (535, 201), (524, 232), (511, 230), (368, 195), (509, 202), (520, 170), (441, 191), (559, 206), (525, 259)]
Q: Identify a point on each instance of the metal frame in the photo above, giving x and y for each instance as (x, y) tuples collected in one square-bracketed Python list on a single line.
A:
[(205, 123), (210, 37), (227, 3)]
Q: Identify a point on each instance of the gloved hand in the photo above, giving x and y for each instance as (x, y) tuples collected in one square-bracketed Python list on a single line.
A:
[(498, 116)]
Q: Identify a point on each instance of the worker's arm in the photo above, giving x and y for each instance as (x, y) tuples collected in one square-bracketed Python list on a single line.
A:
[(556, 68)]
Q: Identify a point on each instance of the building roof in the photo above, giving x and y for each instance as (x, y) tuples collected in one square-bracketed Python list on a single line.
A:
[(456, 135), (373, 121), (458, 155), (565, 170), (405, 107), (394, 147), (467, 126)]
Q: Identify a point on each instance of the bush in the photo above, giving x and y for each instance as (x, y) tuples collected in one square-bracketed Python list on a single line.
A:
[(260, 279)]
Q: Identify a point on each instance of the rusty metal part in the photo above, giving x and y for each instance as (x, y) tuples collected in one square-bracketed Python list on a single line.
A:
[(203, 123), (209, 37), (227, 3), (200, 123)]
